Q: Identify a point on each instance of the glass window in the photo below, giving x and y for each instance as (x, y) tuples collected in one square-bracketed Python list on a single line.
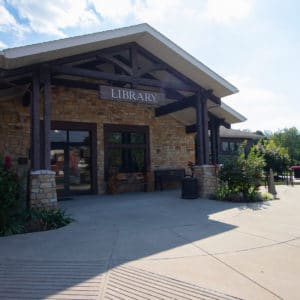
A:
[(126, 151), (58, 136), (137, 138), (115, 158), (232, 146), (115, 138), (79, 136), (137, 163), (225, 146)]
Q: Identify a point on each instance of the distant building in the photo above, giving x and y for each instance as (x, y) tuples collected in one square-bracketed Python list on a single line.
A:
[(231, 140)]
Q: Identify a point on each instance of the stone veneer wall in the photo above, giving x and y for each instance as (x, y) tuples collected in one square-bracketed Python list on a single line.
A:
[(15, 132), (170, 146), (42, 189), (207, 180)]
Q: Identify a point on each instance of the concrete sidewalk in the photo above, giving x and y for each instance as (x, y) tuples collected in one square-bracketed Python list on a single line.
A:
[(158, 246)]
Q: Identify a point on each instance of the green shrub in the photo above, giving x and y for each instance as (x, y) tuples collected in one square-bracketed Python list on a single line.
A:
[(240, 177), (36, 219), (14, 218), (10, 194), (44, 219)]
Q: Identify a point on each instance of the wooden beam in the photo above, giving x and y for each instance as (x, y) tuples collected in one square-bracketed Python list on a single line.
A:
[(180, 76), (118, 77), (172, 94), (75, 84), (82, 56), (26, 71), (192, 128), (134, 62), (35, 122), (175, 106), (11, 93), (156, 67), (115, 61)]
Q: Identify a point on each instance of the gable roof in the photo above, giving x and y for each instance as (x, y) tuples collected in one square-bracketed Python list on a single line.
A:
[(235, 133), (142, 34)]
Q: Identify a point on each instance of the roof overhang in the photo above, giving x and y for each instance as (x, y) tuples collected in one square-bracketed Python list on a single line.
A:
[(142, 34)]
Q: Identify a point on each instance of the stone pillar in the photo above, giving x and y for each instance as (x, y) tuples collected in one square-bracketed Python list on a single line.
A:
[(42, 189), (207, 180)]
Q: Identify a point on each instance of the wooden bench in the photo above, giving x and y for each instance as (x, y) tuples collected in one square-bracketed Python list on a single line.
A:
[(163, 176), (118, 180)]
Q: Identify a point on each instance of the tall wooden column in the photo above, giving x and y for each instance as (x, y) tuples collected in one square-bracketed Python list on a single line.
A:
[(199, 130), (35, 122), (202, 140), (205, 130), (46, 78), (215, 140)]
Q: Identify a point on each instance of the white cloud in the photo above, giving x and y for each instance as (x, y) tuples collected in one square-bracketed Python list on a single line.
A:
[(8, 23), (52, 17), (263, 108), (222, 11), (113, 9), (2, 45), (55, 17)]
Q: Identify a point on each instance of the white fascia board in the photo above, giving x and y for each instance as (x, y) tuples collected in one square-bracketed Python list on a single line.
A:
[(191, 59), (135, 32), (239, 117), (69, 42)]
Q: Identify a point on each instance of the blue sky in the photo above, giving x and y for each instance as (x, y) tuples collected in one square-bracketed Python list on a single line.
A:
[(255, 44)]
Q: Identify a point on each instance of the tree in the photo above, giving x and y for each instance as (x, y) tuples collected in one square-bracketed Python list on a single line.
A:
[(275, 157), (289, 138)]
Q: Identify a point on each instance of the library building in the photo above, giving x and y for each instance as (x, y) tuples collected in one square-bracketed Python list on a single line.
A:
[(117, 111)]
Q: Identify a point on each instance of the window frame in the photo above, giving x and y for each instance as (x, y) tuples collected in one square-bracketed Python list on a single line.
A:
[(109, 128)]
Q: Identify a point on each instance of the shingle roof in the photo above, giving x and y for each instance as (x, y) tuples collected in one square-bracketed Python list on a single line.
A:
[(235, 133)]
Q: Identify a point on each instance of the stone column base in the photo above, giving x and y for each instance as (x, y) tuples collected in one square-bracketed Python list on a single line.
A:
[(42, 189), (207, 180)]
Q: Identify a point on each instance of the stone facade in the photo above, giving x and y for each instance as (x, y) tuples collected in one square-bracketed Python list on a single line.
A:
[(42, 189), (170, 146), (207, 180)]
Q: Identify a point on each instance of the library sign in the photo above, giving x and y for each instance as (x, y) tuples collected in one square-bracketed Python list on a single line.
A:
[(130, 95)]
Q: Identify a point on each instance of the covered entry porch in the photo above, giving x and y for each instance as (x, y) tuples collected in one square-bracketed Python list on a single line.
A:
[(135, 60)]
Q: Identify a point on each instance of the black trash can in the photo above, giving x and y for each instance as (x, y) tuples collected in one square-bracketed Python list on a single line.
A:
[(189, 188)]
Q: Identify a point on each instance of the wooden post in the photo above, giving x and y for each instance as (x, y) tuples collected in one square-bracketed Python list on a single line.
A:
[(45, 75), (35, 122), (217, 141), (199, 129), (202, 139), (205, 130), (214, 139)]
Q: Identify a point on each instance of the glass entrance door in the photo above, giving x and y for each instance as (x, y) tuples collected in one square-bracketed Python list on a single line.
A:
[(71, 161), (79, 168)]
